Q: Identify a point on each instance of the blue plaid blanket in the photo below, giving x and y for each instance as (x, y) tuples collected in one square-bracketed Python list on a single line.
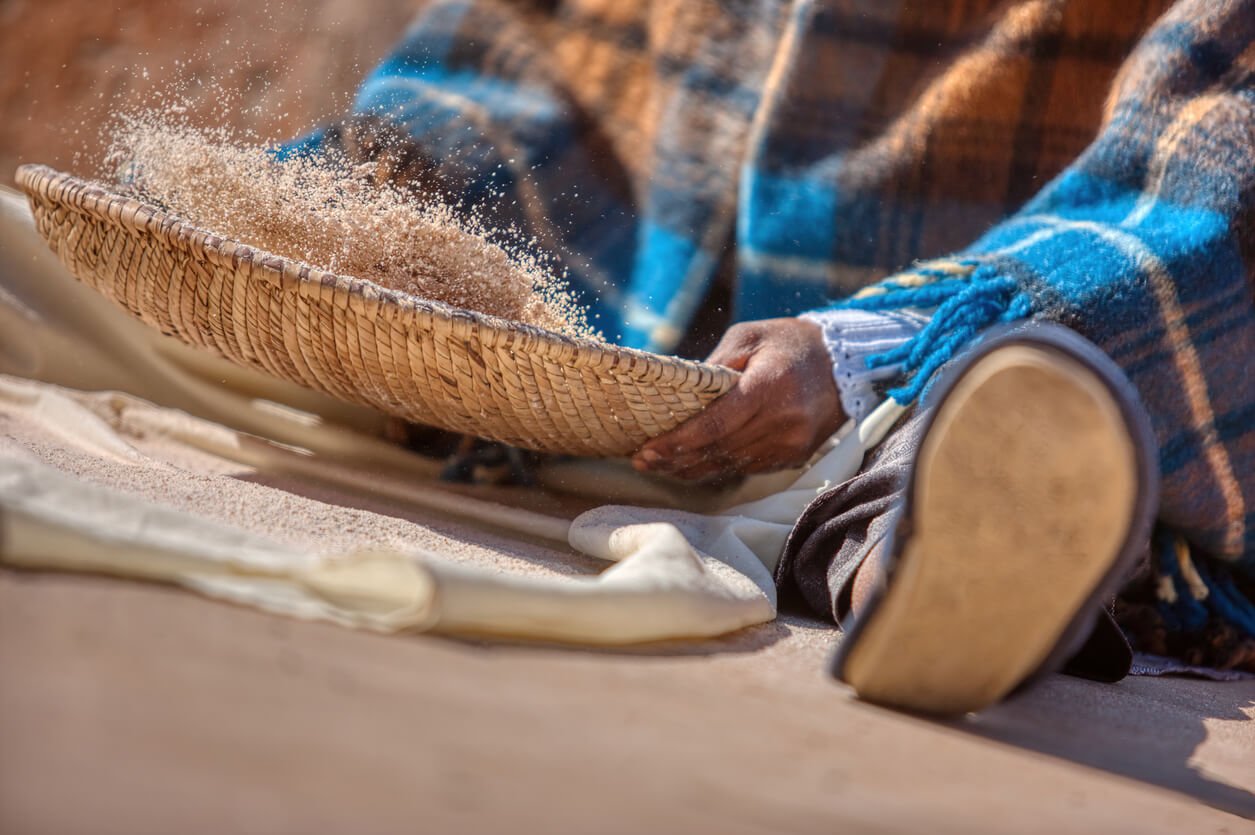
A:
[(1086, 161)]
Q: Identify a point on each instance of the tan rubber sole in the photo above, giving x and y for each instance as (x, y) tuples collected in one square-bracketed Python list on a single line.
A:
[(1025, 488)]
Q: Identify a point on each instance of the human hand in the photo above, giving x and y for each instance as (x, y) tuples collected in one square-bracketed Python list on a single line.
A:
[(784, 406)]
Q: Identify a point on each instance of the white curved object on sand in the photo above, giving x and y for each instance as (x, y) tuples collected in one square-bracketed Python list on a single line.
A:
[(676, 574)]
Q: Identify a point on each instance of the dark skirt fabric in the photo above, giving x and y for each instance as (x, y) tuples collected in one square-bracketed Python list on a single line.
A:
[(840, 528)]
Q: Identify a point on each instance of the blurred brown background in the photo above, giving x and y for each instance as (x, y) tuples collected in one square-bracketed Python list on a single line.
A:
[(65, 64)]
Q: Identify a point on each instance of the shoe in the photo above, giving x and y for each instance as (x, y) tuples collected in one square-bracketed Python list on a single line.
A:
[(1032, 493)]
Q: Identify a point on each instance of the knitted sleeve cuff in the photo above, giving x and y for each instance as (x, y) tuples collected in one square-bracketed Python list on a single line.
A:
[(851, 336)]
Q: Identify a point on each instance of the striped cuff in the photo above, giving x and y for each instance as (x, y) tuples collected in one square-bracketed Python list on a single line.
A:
[(851, 336)]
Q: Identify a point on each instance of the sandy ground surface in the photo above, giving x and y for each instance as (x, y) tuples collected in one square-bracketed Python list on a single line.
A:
[(133, 708), (128, 708)]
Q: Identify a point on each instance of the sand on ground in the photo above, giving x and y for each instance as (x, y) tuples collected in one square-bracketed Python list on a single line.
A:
[(133, 708)]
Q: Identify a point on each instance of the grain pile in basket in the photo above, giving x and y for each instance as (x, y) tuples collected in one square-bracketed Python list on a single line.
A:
[(332, 216)]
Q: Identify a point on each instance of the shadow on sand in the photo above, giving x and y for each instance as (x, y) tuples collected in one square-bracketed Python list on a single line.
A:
[(1147, 729)]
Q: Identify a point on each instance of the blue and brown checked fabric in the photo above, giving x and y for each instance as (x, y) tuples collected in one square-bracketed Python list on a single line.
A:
[(1086, 161)]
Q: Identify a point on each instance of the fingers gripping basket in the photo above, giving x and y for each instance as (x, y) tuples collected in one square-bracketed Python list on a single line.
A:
[(417, 359)]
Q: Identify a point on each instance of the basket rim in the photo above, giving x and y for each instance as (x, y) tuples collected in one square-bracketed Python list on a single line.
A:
[(95, 199)]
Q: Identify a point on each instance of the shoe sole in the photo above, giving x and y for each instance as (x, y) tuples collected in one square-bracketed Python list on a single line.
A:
[(1025, 489)]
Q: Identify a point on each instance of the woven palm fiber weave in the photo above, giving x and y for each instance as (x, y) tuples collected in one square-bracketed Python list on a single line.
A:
[(413, 358)]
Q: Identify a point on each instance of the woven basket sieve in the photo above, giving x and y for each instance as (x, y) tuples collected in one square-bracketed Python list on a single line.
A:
[(417, 359)]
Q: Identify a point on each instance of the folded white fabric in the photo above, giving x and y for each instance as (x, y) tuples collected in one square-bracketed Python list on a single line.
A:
[(676, 574), (659, 588), (747, 538)]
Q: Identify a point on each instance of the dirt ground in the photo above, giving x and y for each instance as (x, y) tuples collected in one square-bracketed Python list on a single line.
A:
[(131, 709)]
